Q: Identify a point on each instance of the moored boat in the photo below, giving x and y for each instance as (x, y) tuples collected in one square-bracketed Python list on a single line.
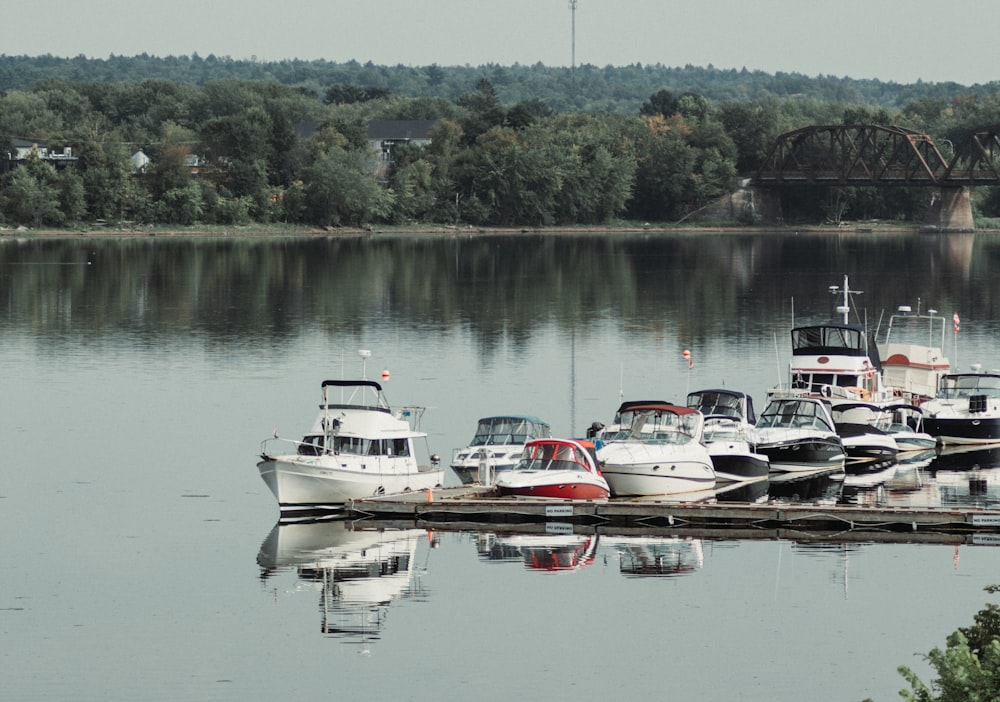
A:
[(496, 446), (555, 469), (357, 447), (730, 434), (659, 453), (911, 367), (966, 409), (797, 434), (864, 440)]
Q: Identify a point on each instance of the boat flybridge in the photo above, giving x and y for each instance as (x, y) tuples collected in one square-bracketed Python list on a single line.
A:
[(913, 352)]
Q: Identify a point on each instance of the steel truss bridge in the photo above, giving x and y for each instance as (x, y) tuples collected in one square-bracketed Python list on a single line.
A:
[(874, 155)]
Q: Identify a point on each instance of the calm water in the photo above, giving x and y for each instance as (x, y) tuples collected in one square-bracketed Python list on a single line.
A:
[(141, 556)]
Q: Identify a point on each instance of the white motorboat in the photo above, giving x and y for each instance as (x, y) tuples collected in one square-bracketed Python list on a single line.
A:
[(659, 453), (555, 469), (911, 366), (730, 434), (966, 409), (357, 447), (858, 424), (496, 446), (838, 362), (797, 434), (905, 424)]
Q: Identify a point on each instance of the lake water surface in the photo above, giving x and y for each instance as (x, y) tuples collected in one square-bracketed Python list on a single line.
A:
[(142, 560)]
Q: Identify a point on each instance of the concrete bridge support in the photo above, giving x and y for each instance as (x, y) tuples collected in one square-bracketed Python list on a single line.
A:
[(950, 211)]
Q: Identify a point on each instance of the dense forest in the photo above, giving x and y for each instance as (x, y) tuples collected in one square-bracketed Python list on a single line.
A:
[(287, 142)]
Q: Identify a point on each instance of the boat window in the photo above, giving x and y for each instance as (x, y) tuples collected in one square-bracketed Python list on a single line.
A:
[(351, 445), (311, 446), (400, 447)]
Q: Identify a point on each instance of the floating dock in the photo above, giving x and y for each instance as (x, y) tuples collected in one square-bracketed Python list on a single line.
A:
[(476, 505)]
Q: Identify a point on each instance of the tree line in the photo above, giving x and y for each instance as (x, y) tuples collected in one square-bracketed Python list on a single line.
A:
[(490, 161)]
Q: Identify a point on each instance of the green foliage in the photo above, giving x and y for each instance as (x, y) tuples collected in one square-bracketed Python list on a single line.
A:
[(968, 668), (514, 145)]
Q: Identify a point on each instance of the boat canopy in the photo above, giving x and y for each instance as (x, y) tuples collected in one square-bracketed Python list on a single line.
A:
[(803, 412), (957, 385), (509, 429), (723, 403), (558, 454), (835, 340)]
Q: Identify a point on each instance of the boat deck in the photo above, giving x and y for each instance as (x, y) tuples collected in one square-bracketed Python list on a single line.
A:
[(480, 505)]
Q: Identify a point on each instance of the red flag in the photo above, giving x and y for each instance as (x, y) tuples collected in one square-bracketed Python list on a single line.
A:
[(955, 321)]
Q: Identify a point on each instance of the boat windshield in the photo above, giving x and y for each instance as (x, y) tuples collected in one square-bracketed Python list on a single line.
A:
[(717, 404), (955, 386), (552, 457), (508, 430), (794, 414)]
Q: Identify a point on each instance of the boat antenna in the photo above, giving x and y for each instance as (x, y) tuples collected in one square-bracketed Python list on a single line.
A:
[(845, 307), (365, 355)]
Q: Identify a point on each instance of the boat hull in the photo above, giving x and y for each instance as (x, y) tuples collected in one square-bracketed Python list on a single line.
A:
[(474, 473), (675, 478), (549, 484), (299, 482), (734, 463), (963, 430), (804, 455)]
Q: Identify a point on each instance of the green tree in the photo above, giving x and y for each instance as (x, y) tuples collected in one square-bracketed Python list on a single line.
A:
[(32, 195), (968, 668)]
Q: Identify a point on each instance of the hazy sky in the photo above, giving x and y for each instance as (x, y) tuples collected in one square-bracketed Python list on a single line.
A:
[(892, 40)]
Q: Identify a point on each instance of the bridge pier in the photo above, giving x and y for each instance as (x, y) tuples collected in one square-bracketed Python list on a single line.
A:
[(950, 211)]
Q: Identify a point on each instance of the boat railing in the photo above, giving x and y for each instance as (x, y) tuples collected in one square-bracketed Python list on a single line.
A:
[(304, 448)]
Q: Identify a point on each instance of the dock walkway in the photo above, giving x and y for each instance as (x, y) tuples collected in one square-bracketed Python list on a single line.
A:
[(480, 505)]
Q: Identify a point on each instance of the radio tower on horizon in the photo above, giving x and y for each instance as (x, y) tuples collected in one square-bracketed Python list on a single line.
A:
[(572, 9)]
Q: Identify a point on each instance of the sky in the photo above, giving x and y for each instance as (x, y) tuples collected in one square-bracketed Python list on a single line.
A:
[(890, 40)]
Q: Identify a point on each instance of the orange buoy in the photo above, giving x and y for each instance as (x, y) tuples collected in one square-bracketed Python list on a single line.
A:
[(430, 494), (385, 375)]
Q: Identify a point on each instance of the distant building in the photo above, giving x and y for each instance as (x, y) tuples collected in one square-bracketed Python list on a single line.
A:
[(20, 150), (385, 134), (140, 161)]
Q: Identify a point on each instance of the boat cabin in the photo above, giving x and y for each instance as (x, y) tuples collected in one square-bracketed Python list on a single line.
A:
[(723, 403), (509, 429), (836, 360), (797, 413), (559, 455)]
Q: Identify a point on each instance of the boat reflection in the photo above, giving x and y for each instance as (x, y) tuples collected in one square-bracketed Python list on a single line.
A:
[(358, 573), (817, 487), (548, 552), (668, 556), (967, 456), (979, 487)]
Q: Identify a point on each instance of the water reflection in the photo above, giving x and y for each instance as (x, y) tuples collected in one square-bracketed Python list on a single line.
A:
[(657, 556), (548, 552), (357, 573), (654, 287)]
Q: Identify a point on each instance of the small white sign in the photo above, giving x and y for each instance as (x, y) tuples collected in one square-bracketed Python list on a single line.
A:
[(558, 510), (986, 539), (986, 520), (561, 528)]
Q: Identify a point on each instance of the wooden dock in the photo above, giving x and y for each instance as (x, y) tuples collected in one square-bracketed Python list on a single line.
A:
[(476, 505)]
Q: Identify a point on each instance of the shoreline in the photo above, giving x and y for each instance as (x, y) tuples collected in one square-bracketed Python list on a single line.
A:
[(430, 230)]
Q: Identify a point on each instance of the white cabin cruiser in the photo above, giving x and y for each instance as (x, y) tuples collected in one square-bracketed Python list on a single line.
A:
[(966, 409), (660, 453), (497, 446), (798, 435), (730, 434), (357, 447), (913, 359)]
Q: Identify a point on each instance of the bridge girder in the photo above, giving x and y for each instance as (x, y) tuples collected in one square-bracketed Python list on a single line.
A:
[(853, 155)]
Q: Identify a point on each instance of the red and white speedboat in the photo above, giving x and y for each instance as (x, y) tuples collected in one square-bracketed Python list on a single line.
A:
[(556, 468)]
